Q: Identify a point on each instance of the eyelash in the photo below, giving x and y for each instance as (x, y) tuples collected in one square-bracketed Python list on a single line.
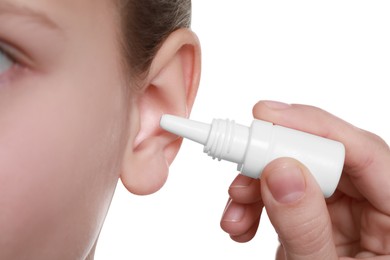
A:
[(7, 75)]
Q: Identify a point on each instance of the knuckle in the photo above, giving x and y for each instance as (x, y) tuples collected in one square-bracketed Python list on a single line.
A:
[(307, 237)]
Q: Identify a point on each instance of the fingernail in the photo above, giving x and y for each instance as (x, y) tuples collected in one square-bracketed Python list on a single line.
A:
[(233, 213), (286, 183), (241, 182), (276, 105)]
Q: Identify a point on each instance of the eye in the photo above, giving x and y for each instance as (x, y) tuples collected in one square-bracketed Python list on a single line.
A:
[(6, 63)]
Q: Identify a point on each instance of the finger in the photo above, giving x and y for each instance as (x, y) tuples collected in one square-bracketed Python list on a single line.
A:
[(240, 220), (297, 209), (367, 156), (248, 235), (245, 190), (383, 257)]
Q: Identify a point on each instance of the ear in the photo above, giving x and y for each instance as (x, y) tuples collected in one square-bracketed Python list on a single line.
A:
[(171, 86)]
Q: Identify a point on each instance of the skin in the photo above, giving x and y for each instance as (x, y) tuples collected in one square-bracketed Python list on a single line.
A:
[(71, 126), (353, 224)]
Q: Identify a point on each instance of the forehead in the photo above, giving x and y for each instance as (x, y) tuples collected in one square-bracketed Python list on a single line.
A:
[(59, 11)]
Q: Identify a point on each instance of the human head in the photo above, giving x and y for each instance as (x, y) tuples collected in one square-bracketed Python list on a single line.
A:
[(81, 95)]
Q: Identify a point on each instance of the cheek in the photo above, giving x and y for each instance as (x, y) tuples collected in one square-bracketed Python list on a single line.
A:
[(60, 146)]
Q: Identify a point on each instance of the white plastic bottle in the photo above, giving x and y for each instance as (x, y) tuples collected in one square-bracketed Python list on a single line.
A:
[(252, 148)]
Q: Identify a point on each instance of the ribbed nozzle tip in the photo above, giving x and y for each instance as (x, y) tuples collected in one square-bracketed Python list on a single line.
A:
[(193, 130)]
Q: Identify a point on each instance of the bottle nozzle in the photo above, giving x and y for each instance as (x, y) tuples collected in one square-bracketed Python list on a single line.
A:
[(195, 131), (222, 139)]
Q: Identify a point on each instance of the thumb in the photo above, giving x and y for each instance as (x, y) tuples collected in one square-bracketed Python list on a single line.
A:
[(297, 210)]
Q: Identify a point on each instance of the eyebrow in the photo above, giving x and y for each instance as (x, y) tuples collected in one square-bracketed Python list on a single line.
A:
[(7, 7)]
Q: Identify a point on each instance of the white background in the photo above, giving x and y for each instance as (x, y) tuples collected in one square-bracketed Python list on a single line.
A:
[(331, 54)]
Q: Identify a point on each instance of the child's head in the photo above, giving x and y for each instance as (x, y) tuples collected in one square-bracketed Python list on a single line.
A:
[(83, 84)]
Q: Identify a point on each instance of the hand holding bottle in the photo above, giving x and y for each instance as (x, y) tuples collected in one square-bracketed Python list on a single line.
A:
[(354, 222)]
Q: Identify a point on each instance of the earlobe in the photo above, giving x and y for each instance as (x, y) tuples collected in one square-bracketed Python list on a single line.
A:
[(172, 84)]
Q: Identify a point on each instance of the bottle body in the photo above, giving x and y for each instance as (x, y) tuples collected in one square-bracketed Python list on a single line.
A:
[(323, 157)]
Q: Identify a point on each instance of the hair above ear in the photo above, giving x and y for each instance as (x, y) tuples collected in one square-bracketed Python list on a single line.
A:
[(170, 87)]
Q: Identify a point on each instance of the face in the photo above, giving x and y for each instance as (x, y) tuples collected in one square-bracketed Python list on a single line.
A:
[(62, 130)]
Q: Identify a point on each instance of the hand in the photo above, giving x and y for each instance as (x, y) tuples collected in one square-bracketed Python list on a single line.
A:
[(353, 223)]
